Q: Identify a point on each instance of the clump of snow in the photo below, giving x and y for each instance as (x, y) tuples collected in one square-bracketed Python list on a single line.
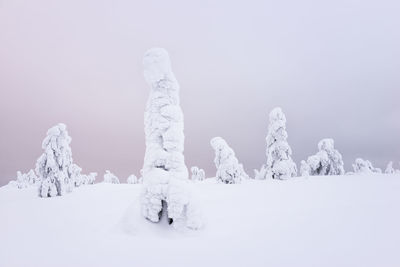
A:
[(132, 179), (279, 162), (365, 167), (327, 161), (52, 166), (110, 178), (164, 171), (229, 171), (197, 174)]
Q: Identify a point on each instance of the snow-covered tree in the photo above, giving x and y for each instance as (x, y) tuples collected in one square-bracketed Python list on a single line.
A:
[(91, 178), (132, 179), (229, 171), (279, 162), (164, 171), (364, 167), (110, 178), (74, 171), (389, 168), (327, 161), (197, 174), (52, 166)]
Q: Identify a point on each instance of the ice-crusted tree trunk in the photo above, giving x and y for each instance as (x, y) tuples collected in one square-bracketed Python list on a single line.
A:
[(164, 171), (52, 166), (327, 161), (279, 162), (229, 171)]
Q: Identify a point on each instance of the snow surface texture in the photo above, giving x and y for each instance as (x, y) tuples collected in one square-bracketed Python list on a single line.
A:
[(229, 171), (365, 167), (197, 174), (328, 221), (165, 174), (110, 178), (53, 165), (327, 161), (279, 162)]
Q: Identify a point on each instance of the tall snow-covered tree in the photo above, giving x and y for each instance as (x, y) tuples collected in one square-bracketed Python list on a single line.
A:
[(52, 166), (364, 167), (327, 161), (164, 170), (110, 178), (197, 174), (279, 162), (229, 171)]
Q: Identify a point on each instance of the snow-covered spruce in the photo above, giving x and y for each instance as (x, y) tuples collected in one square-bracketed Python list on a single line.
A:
[(164, 172), (52, 166), (365, 167), (197, 174), (229, 171), (279, 162), (110, 178), (132, 179), (327, 161)]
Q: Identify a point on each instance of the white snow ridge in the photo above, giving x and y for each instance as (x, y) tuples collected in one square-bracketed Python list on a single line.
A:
[(165, 175)]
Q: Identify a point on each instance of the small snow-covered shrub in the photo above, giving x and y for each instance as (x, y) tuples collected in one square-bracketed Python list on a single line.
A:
[(260, 174), (229, 171), (110, 178), (132, 179), (197, 174), (389, 168), (25, 180), (164, 171), (327, 161), (52, 166), (304, 169), (279, 162), (364, 167)]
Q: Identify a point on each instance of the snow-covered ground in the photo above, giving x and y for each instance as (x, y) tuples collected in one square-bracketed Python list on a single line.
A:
[(319, 221)]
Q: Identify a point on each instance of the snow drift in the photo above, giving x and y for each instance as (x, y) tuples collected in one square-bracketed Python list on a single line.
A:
[(317, 221)]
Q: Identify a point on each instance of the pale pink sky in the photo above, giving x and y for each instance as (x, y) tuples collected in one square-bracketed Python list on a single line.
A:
[(333, 66)]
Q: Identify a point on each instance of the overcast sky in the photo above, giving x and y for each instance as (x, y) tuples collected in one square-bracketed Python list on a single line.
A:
[(333, 67)]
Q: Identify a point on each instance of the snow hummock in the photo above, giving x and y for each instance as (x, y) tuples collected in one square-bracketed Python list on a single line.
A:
[(325, 221)]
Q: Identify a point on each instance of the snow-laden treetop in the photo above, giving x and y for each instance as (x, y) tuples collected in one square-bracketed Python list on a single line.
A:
[(157, 65)]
